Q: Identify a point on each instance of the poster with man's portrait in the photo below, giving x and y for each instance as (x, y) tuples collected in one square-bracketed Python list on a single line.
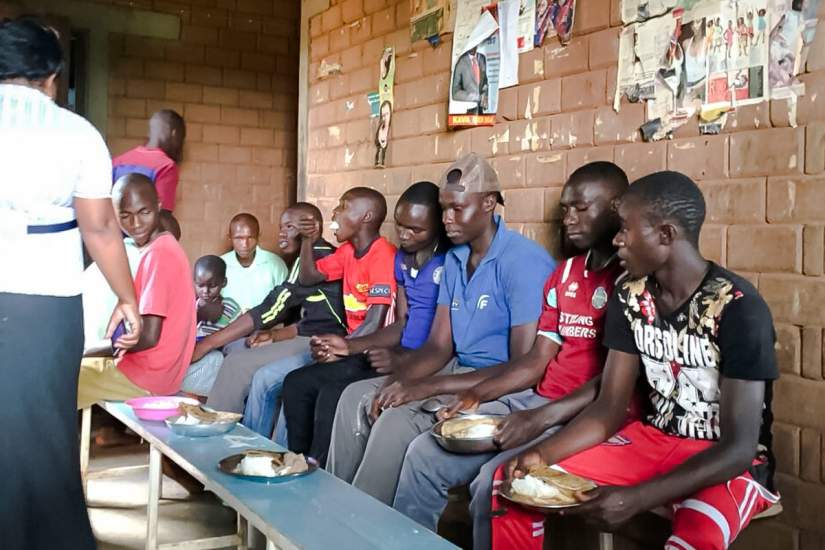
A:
[(476, 62), (386, 81)]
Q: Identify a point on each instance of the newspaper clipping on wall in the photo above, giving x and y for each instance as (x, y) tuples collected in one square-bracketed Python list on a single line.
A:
[(688, 57), (429, 18), (386, 82), (476, 61)]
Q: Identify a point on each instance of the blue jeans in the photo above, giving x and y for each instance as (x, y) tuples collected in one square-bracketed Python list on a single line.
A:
[(264, 397)]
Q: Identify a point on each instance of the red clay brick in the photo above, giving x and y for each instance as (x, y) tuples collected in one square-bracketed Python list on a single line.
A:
[(128, 67), (339, 39), (351, 59), (261, 7), (582, 155), (542, 98), (572, 129), (199, 74), (351, 10), (583, 90), (129, 107), (239, 117), (809, 109), (371, 6), (193, 34), (591, 16), (383, 22), (565, 60), (338, 86), (749, 117), (813, 249), (245, 23), (735, 201), (115, 127), (221, 134), (358, 131), (210, 17), (238, 40), (221, 57), (641, 159), (604, 48), (268, 156), (147, 48), (432, 118), (788, 348), (185, 53), (767, 152), (274, 44), (712, 243), (409, 68), (815, 148), (361, 31), (145, 89), (621, 127), (316, 26), (510, 170), (280, 26), (400, 40), (700, 158), (524, 205), (765, 248), (812, 369), (437, 59), (239, 79), (257, 62), (530, 135), (797, 200), (220, 96), (615, 13), (363, 80), (794, 298), (204, 152), (136, 127), (155, 105), (192, 93), (235, 155), (331, 19), (201, 113), (164, 70), (255, 100), (544, 169), (531, 66)]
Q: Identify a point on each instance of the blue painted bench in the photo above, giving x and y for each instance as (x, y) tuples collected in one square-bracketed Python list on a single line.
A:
[(318, 511)]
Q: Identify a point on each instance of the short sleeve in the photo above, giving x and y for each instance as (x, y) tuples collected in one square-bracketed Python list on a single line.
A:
[(166, 183), (399, 272), (549, 319), (279, 270), (524, 287), (381, 270), (157, 279), (332, 266), (746, 340), (617, 332), (94, 178)]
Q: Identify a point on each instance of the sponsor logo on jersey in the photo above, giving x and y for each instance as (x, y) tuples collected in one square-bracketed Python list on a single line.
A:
[(380, 291), (599, 299), (572, 288), (437, 274), (482, 301)]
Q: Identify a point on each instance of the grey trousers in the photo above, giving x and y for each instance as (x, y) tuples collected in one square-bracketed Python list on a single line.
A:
[(429, 472), (370, 455), (235, 376)]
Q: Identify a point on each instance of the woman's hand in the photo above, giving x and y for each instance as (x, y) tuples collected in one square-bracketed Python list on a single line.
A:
[(128, 312)]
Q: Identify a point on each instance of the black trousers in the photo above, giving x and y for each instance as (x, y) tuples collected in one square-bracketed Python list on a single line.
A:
[(310, 396), (41, 495)]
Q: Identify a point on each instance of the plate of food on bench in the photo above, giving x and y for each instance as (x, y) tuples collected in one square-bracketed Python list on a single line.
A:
[(547, 488), (472, 433), (200, 421), (158, 407), (270, 466)]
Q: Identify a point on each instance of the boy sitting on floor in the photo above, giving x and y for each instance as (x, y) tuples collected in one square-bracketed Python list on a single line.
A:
[(364, 263), (702, 339), (214, 313), (157, 364)]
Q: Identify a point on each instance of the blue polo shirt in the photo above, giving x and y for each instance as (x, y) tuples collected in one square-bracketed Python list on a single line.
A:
[(421, 287), (505, 291)]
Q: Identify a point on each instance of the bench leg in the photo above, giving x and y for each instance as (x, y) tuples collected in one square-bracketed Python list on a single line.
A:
[(605, 541), (85, 443), (243, 533), (155, 479)]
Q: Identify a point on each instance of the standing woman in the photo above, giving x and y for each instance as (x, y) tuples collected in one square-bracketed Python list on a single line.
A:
[(55, 178)]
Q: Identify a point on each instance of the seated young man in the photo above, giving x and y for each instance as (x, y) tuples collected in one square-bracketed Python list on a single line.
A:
[(545, 387), (311, 393), (305, 311), (364, 264), (488, 306), (703, 337), (157, 364), (252, 271), (214, 313)]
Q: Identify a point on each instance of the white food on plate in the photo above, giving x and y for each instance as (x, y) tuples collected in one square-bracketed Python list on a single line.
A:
[(187, 420), (530, 486), (257, 466), (479, 430)]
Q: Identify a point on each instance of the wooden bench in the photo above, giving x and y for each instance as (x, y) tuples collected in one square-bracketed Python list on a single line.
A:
[(318, 511)]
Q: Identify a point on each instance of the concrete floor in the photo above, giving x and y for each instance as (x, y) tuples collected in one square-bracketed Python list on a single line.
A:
[(117, 503)]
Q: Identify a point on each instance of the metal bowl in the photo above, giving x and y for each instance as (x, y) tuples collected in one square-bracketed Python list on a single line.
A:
[(199, 430), (470, 445), (230, 464)]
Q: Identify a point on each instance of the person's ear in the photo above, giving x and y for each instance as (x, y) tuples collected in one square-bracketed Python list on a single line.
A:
[(225, 282), (488, 203), (368, 217), (668, 233), (50, 86)]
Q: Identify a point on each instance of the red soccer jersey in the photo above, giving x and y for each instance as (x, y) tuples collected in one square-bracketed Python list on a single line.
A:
[(155, 165), (573, 316), (367, 280)]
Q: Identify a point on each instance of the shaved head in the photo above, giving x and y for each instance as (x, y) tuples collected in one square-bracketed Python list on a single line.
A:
[(373, 201), (167, 130), (132, 184), (309, 209), (138, 207), (248, 220)]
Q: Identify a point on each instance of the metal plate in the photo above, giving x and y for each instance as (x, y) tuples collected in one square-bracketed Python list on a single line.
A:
[(506, 492), (199, 430), (230, 463), (471, 445)]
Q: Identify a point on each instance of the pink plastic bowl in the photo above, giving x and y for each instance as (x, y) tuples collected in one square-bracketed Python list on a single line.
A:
[(158, 408)]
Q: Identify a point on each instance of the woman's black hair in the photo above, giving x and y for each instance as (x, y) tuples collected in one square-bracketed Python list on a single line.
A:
[(425, 193), (29, 49)]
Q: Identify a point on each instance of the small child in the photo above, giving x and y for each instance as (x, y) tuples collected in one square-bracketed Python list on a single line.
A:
[(214, 313)]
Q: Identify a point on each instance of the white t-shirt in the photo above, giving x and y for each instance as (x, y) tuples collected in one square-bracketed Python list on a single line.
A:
[(48, 157), (249, 285)]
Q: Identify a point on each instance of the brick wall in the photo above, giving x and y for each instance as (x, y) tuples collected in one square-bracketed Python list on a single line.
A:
[(764, 182), (233, 76)]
